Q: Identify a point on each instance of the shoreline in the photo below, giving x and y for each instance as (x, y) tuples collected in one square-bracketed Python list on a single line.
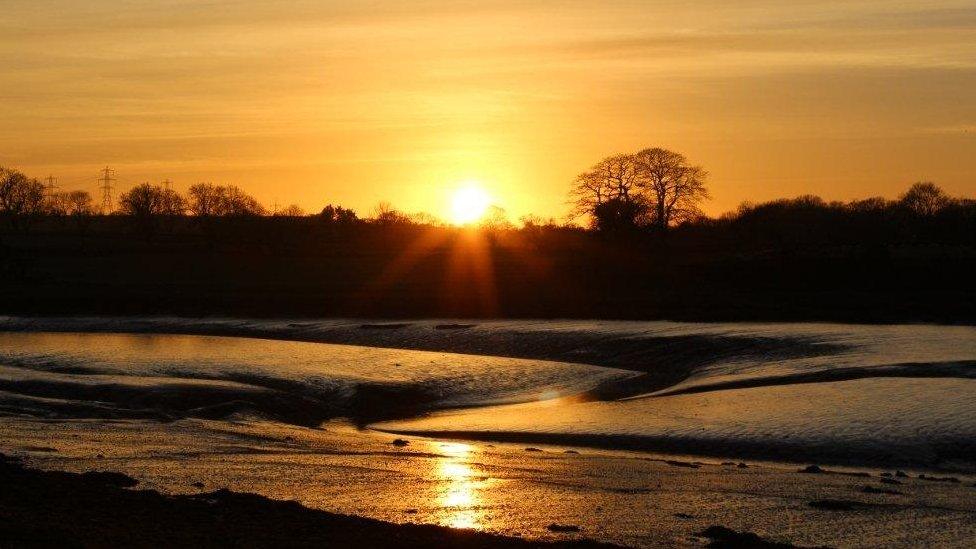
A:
[(100, 509), (577, 341), (664, 449), (202, 471), (673, 357)]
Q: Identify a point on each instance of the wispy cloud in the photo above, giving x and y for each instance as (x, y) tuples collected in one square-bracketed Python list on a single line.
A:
[(418, 92)]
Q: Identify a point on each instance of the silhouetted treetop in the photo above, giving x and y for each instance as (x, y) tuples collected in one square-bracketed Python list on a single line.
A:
[(293, 210), (21, 198), (925, 198), (209, 200), (385, 214), (20, 195), (338, 215), (496, 219), (675, 189), (654, 187), (148, 200)]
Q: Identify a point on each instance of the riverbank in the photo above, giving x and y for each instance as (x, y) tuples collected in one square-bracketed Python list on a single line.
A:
[(201, 471), (97, 509), (879, 396), (639, 434)]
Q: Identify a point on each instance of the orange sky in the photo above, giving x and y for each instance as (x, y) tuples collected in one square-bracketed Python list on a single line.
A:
[(357, 102)]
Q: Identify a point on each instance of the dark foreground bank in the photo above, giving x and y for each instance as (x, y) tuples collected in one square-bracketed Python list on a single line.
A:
[(48, 508), (274, 268)]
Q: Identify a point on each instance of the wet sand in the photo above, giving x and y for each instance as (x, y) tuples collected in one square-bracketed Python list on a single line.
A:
[(637, 434), (894, 396), (537, 492), (49, 508)]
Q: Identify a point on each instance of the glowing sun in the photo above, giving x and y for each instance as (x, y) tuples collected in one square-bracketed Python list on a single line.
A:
[(468, 204)]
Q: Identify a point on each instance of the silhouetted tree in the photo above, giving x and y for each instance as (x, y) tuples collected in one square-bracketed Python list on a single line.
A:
[(424, 218), (386, 214), (56, 204), (78, 205), (532, 221), (146, 203), (654, 186), (209, 200), (294, 210), (674, 189), (173, 203), (588, 192), (613, 180), (21, 198), (873, 204), (240, 204), (787, 223), (925, 199), (338, 215), (496, 219), (620, 176), (618, 215), (206, 199), (141, 200)]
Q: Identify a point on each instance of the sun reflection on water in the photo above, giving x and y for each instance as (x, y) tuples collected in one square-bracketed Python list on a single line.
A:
[(460, 495), (456, 449)]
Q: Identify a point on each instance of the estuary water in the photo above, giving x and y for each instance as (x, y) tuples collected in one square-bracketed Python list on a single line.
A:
[(488, 417)]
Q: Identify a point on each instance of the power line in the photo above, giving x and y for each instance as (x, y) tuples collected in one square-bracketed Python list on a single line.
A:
[(106, 181)]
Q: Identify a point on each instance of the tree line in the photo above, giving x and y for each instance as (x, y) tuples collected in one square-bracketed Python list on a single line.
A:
[(652, 191), (24, 199), (656, 191)]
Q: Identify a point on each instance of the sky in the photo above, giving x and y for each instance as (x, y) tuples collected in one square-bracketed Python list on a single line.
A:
[(329, 101)]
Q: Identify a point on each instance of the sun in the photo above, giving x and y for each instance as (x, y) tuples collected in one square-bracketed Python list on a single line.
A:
[(469, 204)]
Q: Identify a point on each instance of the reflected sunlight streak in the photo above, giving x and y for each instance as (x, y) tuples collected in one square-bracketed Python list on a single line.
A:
[(460, 495)]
